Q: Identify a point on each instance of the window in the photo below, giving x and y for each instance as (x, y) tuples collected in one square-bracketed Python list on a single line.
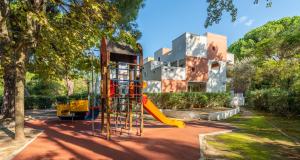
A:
[(214, 48), (193, 69), (182, 63), (215, 67), (196, 86), (158, 58), (174, 64)]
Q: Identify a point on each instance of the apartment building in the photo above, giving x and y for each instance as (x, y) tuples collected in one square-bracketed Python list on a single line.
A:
[(195, 63)]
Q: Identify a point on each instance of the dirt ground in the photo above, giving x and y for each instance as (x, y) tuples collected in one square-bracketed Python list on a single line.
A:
[(75, 140), (7, 145)]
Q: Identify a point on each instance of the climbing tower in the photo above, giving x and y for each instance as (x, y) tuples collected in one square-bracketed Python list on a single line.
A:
[(121, 88)]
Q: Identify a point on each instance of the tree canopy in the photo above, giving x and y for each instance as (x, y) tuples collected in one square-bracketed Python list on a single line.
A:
[(273, 50), (216, 8), (280, 38), (50, 37)]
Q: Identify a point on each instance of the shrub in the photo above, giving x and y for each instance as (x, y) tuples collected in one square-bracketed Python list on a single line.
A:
[(190, 100), (274, 100), (39, 102)]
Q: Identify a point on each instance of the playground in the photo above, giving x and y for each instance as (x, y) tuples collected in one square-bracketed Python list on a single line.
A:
[(75, 140), (137, 79), (115, 126)]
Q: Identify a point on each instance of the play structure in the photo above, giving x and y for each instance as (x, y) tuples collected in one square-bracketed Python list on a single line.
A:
[(77, 109), (122, 98)]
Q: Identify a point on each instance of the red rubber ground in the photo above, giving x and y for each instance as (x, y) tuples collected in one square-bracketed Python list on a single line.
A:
[(67, 140)]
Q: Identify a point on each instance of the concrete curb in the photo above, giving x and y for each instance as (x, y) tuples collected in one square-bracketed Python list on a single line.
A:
[(202, 141), (190, 115), (216, 116), (16, 152)]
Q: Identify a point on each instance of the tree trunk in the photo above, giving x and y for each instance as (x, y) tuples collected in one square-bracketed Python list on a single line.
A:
[(9, 91), (19, 95), (7, 62), (70, 86)]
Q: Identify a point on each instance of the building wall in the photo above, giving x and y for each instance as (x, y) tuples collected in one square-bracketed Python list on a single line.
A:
[(196, 69), (161, 54), (153, 87), (230, 58), (188, 44), (175, 73), (178, 48), (173, 86), (196, 45), (152, 71), (216, 47), (216, 79), (194, 54), (148, 59)]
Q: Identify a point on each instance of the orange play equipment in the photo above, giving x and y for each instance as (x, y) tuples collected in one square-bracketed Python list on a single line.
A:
[(122, 98), (150, 107), (157, 114)]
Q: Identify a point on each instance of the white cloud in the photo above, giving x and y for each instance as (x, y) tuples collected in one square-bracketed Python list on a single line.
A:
[(244, 20), (249, 22)]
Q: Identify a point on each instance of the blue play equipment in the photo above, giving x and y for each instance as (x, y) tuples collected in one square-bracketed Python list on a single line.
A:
[(92, 113)]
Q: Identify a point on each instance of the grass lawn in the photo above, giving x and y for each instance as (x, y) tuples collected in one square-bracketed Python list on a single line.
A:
[(257, 138)]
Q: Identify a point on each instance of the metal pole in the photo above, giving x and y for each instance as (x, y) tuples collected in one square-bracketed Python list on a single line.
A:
[(93, 125)]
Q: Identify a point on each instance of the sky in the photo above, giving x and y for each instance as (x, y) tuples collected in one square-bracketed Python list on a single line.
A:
[(161, 21)]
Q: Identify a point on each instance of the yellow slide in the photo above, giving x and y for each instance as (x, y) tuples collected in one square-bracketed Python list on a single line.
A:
[(154, 111)]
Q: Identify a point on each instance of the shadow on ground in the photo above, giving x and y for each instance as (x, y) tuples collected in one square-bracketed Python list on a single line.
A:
[(75, 138)]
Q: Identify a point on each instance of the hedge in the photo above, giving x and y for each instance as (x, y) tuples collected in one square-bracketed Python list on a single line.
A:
[(274, 100), (44, 102), (190, 100), (39, 102)]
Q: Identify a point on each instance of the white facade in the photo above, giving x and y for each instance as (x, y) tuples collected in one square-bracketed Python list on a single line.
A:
[(230, 58), (153, 87), (188, 44), (173, 73), (155, 70), (169, 64), (216, 77), (196, 45), (152, 71)]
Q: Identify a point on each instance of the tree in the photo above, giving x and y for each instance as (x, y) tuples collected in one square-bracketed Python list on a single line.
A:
[(216, 8), (274, 49), (243, 73), (278, 38), (64, 29)]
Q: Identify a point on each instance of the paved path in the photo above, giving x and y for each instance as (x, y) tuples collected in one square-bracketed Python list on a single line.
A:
[(73, 140)]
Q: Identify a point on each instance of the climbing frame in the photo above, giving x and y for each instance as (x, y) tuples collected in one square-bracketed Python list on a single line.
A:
[(121, 88)]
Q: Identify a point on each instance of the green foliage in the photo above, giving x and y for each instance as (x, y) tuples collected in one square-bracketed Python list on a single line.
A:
[(279, 38), (268, 66), (65, 99), (190, 100), (80, 86), (57, 34), (129, 11), (46, 102), (216, 8), (46, 88), (257, 138), (38, 86), (39, 102), (274, 100)]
